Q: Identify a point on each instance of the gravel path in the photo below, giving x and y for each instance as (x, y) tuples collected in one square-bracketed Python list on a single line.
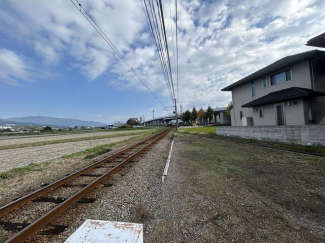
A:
[(41, 138), (13, 158)]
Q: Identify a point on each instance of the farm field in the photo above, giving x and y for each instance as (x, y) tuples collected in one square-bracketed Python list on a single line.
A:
[(15, 140), (27, 151)]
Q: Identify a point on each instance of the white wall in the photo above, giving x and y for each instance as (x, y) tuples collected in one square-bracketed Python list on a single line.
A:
[(243, 94)]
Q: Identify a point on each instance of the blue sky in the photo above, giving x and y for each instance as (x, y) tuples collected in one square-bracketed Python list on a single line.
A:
[(53, 63)]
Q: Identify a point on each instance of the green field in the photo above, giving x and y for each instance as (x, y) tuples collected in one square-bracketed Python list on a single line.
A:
[(198, 130)]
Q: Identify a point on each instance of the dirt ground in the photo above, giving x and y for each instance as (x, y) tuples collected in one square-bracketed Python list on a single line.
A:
[(215, 191), (218, 191), (13, 158), (15, 140)]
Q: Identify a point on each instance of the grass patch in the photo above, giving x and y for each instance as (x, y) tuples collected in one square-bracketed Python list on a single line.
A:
[(3, 189), (198, 130), (2, 234), (211, 133), (23, 170)]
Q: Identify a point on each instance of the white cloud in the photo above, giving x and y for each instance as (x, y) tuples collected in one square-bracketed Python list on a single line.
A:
[(219, 41), (13, 67)]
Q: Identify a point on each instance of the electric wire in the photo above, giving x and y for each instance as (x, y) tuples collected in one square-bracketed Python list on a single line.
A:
[(161, 15), (158, 32), (176, 49), (106, 39), (171, 30)]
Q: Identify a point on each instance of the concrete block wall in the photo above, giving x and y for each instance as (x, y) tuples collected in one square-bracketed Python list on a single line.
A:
[(304, 135)]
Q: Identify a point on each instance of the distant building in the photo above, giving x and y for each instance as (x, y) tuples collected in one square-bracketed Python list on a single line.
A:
[(290, 91), (118, 124), (219, 117)]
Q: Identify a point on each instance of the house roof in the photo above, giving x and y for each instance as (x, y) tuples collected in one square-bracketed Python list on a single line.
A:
[(285, 94), (220, 109), (277, 66), (318, 41)]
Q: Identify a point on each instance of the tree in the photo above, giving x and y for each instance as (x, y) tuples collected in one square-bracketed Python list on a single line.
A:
[(133, 122), (201, 114), (209, 114), (183, 117), (227, 112), (47, 129), (187, 116), (194, 114)]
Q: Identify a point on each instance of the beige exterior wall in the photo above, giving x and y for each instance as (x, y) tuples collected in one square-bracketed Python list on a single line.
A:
[(243, 94), (293, 112)]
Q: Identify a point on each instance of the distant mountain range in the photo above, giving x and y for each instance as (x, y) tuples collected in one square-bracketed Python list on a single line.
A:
[(50, 121)]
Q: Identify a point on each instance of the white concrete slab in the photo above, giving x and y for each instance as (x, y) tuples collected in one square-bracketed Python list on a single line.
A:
[(107, 231)]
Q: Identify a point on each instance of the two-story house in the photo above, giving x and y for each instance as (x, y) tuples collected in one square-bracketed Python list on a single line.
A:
[(290, 91)]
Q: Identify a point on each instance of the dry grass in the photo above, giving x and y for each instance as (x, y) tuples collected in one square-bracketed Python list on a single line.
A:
[(142, 213)]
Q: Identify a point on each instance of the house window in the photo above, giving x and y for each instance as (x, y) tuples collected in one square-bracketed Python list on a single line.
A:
[(253, 91), (241, 115), (264, 83), (281, 77), (261, 113), (219, 115)]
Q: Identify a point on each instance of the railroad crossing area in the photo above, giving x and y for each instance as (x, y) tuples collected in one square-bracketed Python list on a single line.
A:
[(215, 191)]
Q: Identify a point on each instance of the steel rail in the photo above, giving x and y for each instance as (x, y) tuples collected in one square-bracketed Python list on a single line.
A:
[(44, 220), (21, 201)]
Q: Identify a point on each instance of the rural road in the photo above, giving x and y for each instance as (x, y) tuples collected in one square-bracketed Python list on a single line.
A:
[(12, 158)]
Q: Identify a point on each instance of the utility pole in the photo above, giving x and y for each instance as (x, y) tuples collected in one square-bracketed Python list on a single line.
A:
[(153, 114), (176, 115)]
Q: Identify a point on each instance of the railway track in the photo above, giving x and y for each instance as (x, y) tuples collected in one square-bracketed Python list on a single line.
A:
[(30, 214)]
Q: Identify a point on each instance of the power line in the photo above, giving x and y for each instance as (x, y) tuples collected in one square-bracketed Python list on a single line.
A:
[(107, 40), (156, 35), (176, 49), (158, 29), (171, 30), (166, 44)]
